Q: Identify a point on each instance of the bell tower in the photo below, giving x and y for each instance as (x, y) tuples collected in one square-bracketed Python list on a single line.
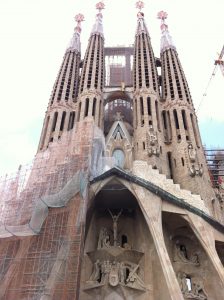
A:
[(60, 115), (90, 100), (148, 138), (185, 152)]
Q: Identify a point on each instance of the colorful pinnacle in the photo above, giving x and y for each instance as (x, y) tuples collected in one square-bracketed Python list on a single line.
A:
[(79, 18), (140, 5), (162, 15), (100, 5)]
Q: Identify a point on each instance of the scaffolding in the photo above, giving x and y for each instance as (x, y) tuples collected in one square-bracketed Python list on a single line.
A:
[(119, 65), (40, 246), (215, 162)]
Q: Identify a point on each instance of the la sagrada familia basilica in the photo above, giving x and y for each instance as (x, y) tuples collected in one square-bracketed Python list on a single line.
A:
[(118, 202)]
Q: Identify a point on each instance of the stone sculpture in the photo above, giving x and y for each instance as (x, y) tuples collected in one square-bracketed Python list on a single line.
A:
[(191, 289), (180, 254), (104, 239), (152, 142)]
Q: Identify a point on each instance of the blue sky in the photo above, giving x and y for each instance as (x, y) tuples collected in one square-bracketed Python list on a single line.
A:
[(34, 35)]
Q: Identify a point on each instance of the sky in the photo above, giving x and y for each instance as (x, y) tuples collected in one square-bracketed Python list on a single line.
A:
[(34, 36)]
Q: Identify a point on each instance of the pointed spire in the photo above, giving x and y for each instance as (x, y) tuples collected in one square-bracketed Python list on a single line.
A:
[(98, 26), (75, 44), (166, 39), (141, 27)]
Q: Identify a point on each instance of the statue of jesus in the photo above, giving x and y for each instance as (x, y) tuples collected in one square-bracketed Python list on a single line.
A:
[(115, 221)]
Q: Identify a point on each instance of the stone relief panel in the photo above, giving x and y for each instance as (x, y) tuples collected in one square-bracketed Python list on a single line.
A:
[(195, 169), (192, 288), (181, 254), (114, 261), (152, 142)]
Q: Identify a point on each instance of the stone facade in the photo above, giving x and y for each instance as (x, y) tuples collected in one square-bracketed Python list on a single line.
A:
[(118, 203)]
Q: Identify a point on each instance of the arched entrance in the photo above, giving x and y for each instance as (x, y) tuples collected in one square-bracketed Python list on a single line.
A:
[(119, 255)]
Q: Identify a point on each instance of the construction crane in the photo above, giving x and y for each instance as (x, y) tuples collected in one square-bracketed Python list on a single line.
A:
[(218, 62)]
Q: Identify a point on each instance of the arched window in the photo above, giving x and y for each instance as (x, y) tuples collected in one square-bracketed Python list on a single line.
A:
[(94, 107), (157, 115), (86, 107), (149, 106), (141, 106), (54, 121), (71, 120), (62, 121), (176, 119)]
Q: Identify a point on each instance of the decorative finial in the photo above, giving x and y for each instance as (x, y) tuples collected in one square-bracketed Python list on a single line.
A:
[(98, 26), (140, 5), (74, 44), (100, 5), (79, 19), (166, 39), (162, 15)]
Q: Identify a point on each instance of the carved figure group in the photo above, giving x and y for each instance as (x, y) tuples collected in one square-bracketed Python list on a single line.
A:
[(196, 171), (191, 289), (104, 239), (114, 273), (180, 254)]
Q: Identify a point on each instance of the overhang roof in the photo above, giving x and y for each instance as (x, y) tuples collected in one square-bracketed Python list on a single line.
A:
[(163, 194)]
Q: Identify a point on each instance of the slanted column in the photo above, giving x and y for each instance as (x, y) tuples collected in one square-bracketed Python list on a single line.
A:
[(151, 206), (204, 233)]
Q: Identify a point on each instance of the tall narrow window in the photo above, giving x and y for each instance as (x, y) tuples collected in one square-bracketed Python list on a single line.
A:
[(99, 113), (169, 159), (86, 107), (195, 131), (62, 121), (165, 127), (71, 120), (141, 106), (79, 111), (149, 106), (176, 119), (54, 121), (182, 160), (94, 107), (164, 119), (136, 113), (169, 126), (184, 119), (157, 115)]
